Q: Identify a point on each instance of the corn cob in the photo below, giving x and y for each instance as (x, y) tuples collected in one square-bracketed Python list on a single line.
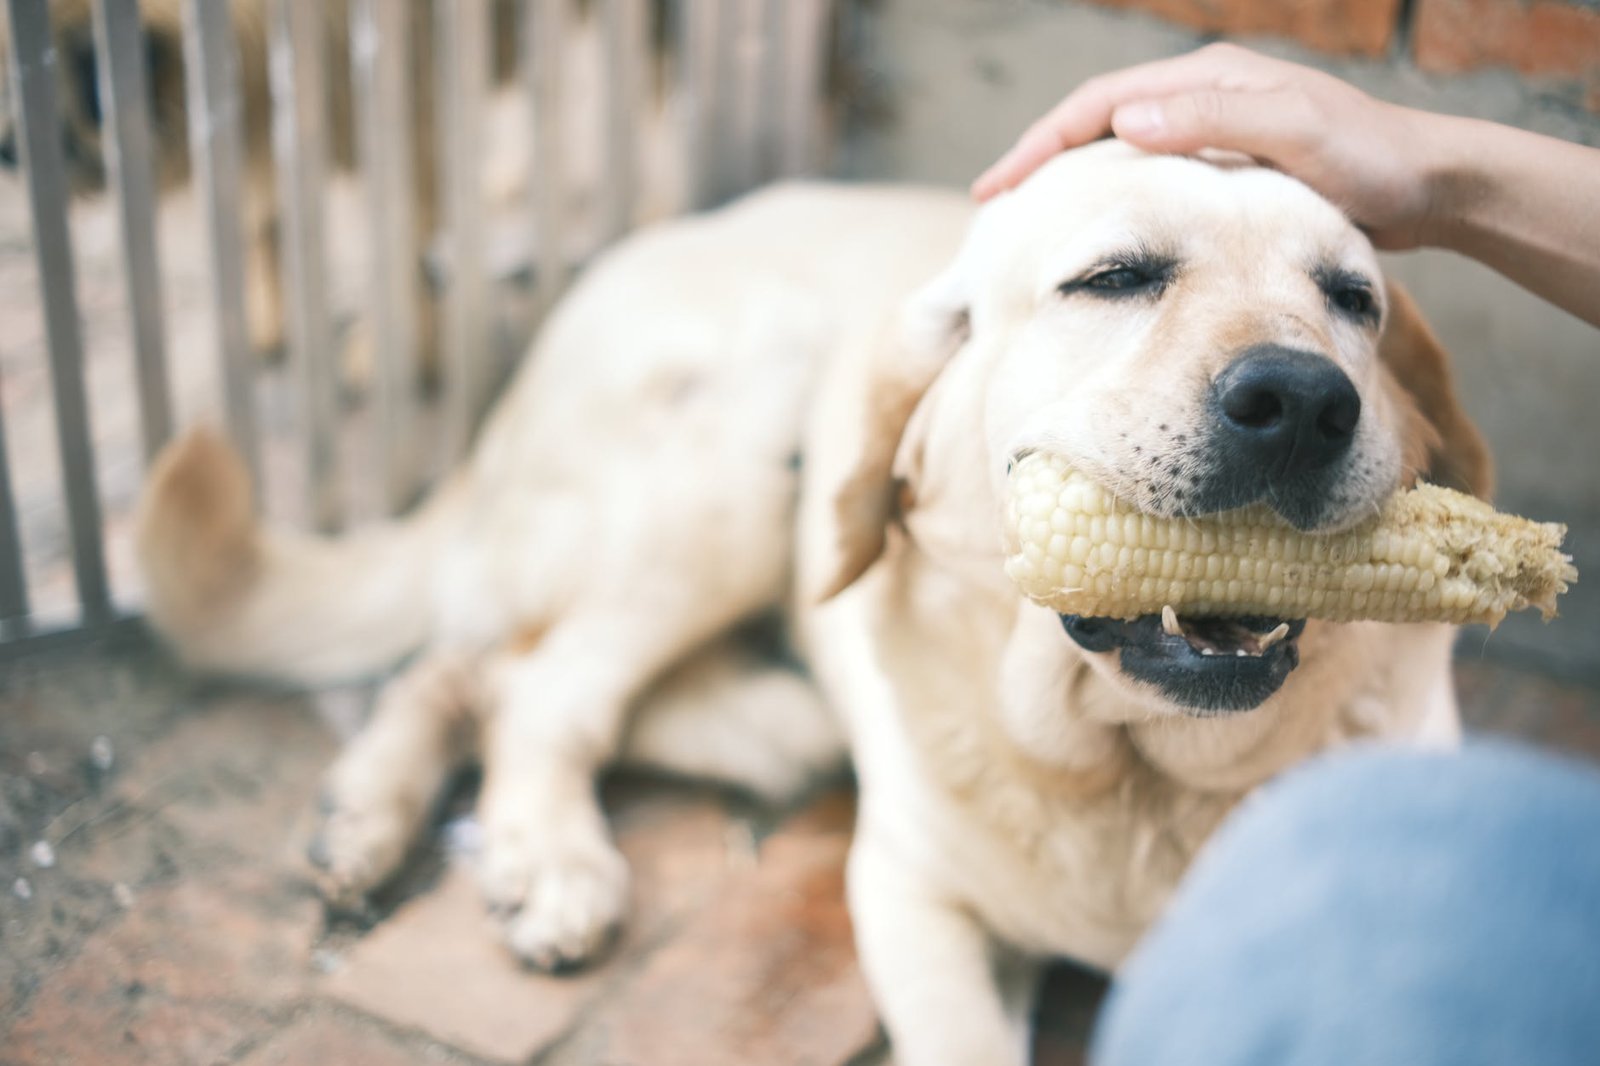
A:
[(1431, 554)]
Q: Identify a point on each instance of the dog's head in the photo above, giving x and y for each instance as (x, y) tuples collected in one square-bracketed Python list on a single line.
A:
[(82, 111), (1195, 337)]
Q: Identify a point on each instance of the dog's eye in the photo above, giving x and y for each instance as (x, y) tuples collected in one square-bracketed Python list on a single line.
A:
[(1353, 300), (1348, 293), (1122, 279)]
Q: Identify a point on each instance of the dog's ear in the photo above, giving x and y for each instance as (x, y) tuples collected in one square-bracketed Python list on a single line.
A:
[(164, 87), (856, 478), (83, 77), (163, 63), (1442, 443)]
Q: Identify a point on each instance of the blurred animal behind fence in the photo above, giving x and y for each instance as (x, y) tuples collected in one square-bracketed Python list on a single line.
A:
[(506, 169)]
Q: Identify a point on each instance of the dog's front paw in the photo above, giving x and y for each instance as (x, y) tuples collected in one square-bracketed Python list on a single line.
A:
[(558, 898), (356, 848)]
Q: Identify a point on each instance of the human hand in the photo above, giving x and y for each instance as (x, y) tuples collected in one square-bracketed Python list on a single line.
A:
[(1370, 158)]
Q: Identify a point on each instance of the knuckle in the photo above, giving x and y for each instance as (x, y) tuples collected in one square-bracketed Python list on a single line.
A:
[(1204, 111)]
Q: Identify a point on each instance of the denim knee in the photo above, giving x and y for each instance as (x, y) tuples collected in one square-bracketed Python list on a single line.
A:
[(1381, 905)]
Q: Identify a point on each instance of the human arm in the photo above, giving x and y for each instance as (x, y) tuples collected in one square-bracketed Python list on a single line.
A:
[(1525, 205)]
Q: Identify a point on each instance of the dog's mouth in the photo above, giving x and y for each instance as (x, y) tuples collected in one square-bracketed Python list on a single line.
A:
[(1207, 665)]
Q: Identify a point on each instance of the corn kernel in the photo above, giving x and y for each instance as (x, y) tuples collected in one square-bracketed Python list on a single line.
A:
[(1431, 554)]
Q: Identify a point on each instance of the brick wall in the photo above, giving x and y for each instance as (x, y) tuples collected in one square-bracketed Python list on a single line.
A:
[(1555, 39), (1344, 27), (1549, 40)]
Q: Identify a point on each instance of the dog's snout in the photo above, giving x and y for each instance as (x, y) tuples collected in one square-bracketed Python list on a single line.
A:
[(1290, 411)]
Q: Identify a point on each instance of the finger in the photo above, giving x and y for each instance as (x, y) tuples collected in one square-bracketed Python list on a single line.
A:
[(1277, 127), (1085, 114), (1031, 151)]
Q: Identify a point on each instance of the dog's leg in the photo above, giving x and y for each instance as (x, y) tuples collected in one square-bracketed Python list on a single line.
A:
[(695, 535), (932, 969), (731, 715), (550, 871), (263, 285), (378, 794), (559, 712)]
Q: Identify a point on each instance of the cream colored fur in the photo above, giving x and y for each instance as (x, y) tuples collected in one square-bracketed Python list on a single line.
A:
[(576, 596)]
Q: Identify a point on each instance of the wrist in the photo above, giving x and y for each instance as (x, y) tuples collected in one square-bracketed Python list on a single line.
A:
[(1458, 180)]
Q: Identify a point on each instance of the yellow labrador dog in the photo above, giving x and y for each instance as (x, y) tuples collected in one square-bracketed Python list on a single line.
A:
[(774, 409)]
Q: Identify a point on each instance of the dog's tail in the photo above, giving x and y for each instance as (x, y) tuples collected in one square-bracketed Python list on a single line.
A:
[(235, 598)]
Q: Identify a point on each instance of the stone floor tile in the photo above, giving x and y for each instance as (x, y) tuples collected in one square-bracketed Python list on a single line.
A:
[(241, 772), (190, 970), (437, 965), (338, 1039), (766, 973), (67, 1033), (681, 843)]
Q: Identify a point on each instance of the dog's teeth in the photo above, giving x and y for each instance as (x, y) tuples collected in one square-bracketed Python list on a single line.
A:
[(1169, 622), (1276, 635)]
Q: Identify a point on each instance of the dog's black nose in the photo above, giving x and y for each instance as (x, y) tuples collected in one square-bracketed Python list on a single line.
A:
[(8, 152), (1291, 412)]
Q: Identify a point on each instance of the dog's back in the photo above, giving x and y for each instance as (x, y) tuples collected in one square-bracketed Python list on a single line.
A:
[(689, 350)]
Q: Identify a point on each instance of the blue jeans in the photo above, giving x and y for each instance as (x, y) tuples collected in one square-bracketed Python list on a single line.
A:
[(1381, 907)]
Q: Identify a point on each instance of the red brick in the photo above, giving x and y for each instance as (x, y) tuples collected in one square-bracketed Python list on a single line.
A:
[(680, 845), (1349, 27), (766, 973), (1548, 38)]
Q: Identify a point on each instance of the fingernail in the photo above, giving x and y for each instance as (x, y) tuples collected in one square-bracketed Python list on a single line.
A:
[(1138, 119)]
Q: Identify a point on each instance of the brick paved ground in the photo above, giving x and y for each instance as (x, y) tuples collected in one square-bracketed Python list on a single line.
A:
[(171, 924)]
